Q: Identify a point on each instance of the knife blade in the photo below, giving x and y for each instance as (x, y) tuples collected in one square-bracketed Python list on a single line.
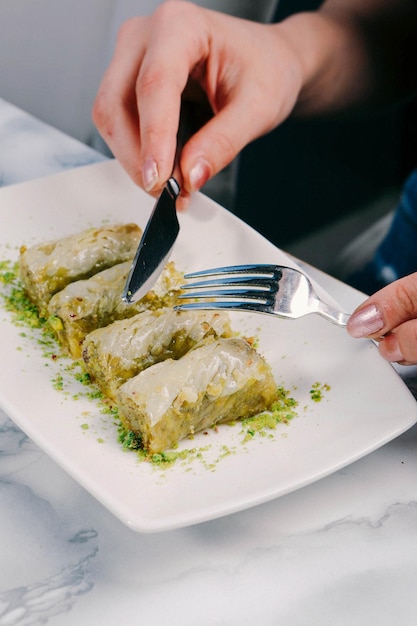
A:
[(155, 245)]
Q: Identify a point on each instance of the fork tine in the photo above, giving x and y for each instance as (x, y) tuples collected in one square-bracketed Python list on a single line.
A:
[(227, 306), (238, 287), (260, 297), (264, 283), (257, 270)]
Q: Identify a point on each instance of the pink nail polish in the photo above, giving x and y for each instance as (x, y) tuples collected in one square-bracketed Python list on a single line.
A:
[(199, 174), (150, 174), (365, 322)]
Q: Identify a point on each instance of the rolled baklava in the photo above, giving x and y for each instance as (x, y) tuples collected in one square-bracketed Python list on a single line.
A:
[(216, 382), (88, 304), (48, 267), (126, 347)]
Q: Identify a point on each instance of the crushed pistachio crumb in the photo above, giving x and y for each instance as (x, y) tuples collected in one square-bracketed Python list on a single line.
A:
[(58, 382), (83, 377), (282, 411), (129, 439), (317, 391)]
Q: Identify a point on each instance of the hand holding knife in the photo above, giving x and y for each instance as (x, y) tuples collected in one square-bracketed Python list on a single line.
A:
[(159, 236), (163, 227)]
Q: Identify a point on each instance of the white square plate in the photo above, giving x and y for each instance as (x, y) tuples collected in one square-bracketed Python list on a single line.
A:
[(367, 405)]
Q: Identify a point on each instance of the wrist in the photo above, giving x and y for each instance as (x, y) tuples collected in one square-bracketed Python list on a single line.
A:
[(331, 58)]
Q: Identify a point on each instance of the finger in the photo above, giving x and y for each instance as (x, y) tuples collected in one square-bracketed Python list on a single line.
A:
[(400, 346), (219, 141), (183, 201), (385, 310), (159, 104), (171, 54), (114, 111)]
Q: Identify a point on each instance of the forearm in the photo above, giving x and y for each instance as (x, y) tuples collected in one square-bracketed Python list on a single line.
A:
[(354, 52)]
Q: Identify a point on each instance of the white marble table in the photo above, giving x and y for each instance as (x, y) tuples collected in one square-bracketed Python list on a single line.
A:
[(340, 552)]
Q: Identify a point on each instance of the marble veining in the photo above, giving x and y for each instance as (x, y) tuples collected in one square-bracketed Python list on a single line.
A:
[(47, 551), (38, 602), (339, 552), (31, 149)]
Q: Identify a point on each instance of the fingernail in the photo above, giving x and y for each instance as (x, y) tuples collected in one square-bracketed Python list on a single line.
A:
[(150, 174), (199, 174), (392, 351), (365, 322)]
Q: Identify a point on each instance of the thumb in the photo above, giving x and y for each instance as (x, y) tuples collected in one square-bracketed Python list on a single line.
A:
[(386, 309)]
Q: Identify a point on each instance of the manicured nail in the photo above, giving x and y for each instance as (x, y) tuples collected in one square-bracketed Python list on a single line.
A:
[(365, 322), (199, 174), (150, 174)]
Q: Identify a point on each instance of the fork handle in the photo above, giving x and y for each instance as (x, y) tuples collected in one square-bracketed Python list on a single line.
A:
[(332, 314)]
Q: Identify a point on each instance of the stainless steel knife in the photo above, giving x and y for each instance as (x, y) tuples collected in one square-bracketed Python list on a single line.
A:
[(155, 245), (163, 227)]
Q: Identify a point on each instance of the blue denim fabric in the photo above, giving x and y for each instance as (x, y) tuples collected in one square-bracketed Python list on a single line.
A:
[(396, 255)]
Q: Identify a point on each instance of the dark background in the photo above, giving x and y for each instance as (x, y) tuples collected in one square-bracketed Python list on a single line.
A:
[(309, 173)]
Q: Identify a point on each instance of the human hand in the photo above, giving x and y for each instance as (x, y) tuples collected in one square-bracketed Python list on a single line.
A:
[(249, 77), (390, 317)]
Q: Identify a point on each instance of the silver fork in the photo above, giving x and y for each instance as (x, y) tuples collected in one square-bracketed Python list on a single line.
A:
[(272, 289)]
